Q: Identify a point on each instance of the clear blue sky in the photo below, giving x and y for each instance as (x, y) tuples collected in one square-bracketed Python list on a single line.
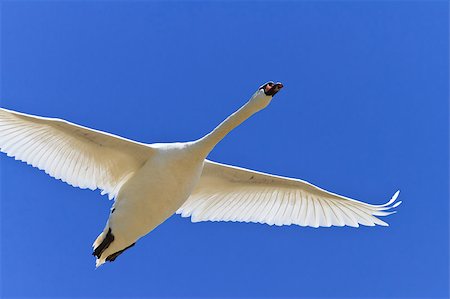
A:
[(364, 112)]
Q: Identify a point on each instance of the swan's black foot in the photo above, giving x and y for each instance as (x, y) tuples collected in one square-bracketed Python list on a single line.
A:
[(113, 256), (109, 238)]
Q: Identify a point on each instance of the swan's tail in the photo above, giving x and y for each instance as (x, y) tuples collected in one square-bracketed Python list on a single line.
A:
[(101, 244)]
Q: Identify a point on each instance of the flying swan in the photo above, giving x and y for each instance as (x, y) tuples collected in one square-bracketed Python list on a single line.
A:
[(151, 182)]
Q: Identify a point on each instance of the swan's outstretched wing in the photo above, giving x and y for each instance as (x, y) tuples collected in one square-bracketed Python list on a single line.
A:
[(80, 156), (228, 193)]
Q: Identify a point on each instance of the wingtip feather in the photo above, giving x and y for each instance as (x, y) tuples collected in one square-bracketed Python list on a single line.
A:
[(397, 204)]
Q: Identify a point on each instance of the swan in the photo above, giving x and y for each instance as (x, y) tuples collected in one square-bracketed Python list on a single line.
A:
[(151, 182)]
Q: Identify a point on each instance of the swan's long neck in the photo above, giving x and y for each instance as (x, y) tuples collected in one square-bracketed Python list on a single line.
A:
[(208, 142)]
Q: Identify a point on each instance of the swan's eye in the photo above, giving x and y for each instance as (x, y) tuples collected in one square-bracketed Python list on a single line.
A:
[(267, 86)]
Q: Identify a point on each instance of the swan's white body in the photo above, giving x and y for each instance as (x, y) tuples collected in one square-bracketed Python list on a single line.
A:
[(150, 182), (152, 194)]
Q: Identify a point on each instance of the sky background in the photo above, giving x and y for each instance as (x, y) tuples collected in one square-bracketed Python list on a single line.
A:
[(364, 112)]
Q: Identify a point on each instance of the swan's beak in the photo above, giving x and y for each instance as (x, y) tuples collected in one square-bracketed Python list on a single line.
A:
[(272, 90)]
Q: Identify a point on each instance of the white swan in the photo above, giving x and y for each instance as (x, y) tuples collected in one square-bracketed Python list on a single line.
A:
[(150, 182)]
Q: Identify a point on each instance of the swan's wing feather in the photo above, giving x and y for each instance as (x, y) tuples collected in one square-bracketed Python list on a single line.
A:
[(80, 156), (228, 193)]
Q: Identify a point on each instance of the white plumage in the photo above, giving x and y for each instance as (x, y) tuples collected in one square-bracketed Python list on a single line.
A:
[(150, 182), (79, 156), (228, 193)]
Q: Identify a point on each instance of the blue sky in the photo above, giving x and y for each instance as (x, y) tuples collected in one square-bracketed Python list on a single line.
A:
[(364, 112)]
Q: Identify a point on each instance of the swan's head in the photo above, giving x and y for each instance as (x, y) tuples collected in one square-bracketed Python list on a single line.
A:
[(265, 93), (270, 88)]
